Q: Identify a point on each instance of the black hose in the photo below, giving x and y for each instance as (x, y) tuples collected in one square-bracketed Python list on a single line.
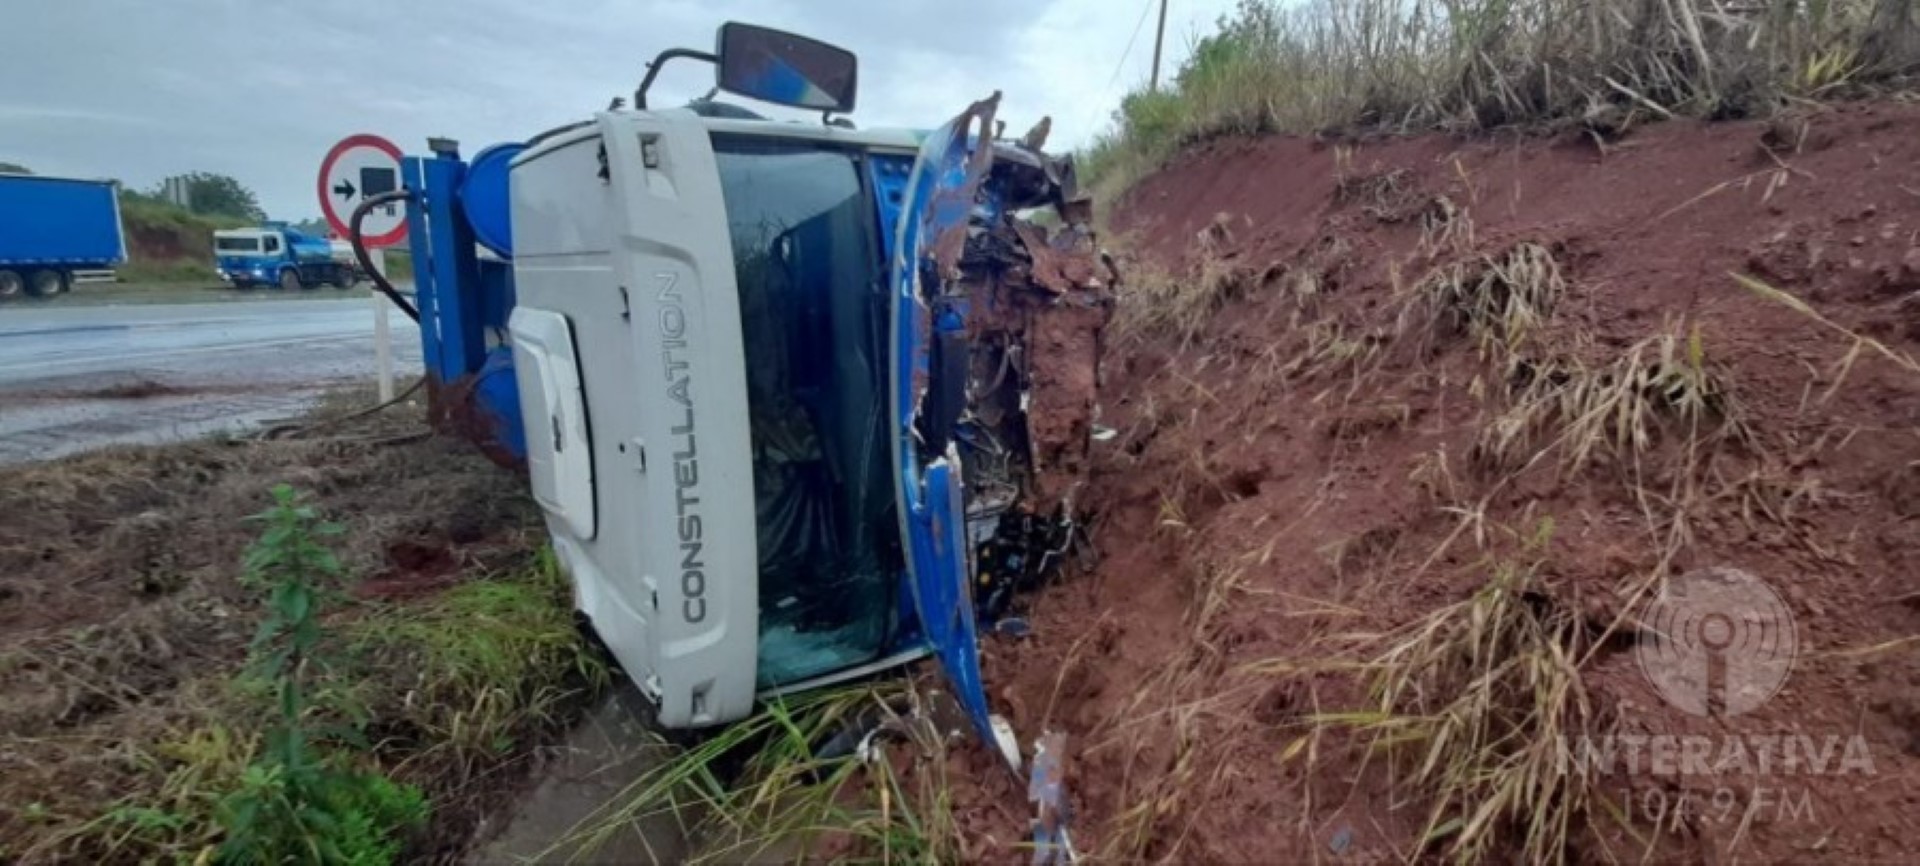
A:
[(366, 261), (297, 430)]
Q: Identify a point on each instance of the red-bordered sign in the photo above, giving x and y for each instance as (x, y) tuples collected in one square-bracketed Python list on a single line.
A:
[(358, 167)]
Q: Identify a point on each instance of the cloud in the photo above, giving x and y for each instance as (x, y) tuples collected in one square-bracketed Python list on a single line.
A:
[(260, 90)]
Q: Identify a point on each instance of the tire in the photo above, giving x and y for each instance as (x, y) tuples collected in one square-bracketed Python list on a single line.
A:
[(46, 282), (344, 278), (12, 285), (290, 281)]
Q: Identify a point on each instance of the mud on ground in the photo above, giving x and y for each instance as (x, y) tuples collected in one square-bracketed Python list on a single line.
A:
[(1376, 396), (122, 620)]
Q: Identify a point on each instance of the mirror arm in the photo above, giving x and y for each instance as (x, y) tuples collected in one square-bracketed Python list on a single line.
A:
[(653, 69)]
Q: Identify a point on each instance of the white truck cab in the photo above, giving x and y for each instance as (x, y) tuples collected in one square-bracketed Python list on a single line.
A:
[(724, 352), (714, 293)]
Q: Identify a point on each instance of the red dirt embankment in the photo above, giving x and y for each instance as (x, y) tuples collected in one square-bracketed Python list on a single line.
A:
[(1523, 368)]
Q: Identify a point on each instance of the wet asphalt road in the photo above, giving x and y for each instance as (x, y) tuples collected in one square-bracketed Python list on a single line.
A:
[(77, 378)]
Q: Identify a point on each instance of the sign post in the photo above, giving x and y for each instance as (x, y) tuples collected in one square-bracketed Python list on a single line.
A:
[(355, 169)]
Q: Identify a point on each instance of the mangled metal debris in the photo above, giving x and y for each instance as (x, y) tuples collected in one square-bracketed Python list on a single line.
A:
[(1009, 310), (1015, 316)]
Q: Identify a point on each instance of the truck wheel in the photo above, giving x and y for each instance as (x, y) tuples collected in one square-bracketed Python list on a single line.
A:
[(46, 282), (344, 278), (11, 285), (290, 280)]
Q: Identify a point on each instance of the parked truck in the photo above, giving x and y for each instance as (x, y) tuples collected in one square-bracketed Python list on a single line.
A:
[(53, 228), (274, 255)]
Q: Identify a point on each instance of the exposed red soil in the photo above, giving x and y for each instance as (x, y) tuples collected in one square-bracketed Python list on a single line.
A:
[(416, 568), (1297, 476), (150, 243), (1053, 313)]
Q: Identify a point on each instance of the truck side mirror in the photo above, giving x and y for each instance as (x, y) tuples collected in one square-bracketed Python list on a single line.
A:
[(786, 69)]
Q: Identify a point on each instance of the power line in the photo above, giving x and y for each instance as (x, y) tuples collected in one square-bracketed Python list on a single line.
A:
[(1123, 61), (1130, 41)]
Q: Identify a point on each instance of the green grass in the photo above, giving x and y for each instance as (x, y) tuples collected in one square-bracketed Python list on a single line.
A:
[(764, 790), (178, 272), (479, 666), (399, 266), (168, 244), (433, 694), (1407, 66), (144, 213)]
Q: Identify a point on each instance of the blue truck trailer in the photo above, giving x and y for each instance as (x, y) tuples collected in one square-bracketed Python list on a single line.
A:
[(54, 227), (278, 256)]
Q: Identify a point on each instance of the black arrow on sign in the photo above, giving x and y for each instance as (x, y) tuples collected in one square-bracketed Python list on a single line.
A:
[(344, 188)]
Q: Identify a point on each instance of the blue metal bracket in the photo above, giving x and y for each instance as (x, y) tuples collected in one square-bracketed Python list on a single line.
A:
[(446, 271), (463, 300)]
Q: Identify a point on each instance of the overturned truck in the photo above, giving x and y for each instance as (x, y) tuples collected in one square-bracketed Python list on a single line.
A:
[(800, 402)]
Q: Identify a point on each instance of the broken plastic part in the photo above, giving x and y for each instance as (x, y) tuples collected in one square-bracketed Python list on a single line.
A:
[(1009, 745), (1046, 789)]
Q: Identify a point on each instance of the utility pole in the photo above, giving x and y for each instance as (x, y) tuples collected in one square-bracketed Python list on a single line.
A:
[(1159, 34)]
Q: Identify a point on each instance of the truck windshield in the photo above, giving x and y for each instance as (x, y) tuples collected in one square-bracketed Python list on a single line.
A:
[(236, 245), (812, 315)]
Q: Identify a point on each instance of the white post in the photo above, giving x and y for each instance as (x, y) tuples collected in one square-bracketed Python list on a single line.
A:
[(382, 333)]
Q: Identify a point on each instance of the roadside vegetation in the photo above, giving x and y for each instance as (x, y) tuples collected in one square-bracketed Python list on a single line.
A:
[(1363, 66), (340, 645), (167, 243), (853, 773), (173, 246)]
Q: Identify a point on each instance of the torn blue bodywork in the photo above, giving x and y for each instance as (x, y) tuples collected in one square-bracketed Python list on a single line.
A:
[(936, 207)]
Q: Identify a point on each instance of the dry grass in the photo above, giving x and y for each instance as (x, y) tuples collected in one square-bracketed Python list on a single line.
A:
[(1157, 302), (1498, 300), (1472, 705), (1387, 196), (1162, 735), (1445, 228), (1660, 386), (1405, 66), (1858, 345)]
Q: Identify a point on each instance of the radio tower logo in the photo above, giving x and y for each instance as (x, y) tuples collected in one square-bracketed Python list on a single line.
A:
[(1717, 642)]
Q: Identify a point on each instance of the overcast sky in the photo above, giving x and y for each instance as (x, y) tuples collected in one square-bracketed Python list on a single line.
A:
[(142, 89)]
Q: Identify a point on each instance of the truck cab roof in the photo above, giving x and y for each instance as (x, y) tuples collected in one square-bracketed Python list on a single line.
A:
[(887, 139)]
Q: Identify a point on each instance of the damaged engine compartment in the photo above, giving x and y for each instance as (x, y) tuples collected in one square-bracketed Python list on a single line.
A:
[(1013, 315)]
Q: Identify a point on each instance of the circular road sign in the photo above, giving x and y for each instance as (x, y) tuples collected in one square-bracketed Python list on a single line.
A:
[(360, 167)]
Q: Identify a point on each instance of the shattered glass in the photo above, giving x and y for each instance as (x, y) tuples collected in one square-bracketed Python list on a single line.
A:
[(812, 316)]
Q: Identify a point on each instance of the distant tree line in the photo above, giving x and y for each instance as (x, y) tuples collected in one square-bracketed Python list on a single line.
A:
[(208, 194)]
